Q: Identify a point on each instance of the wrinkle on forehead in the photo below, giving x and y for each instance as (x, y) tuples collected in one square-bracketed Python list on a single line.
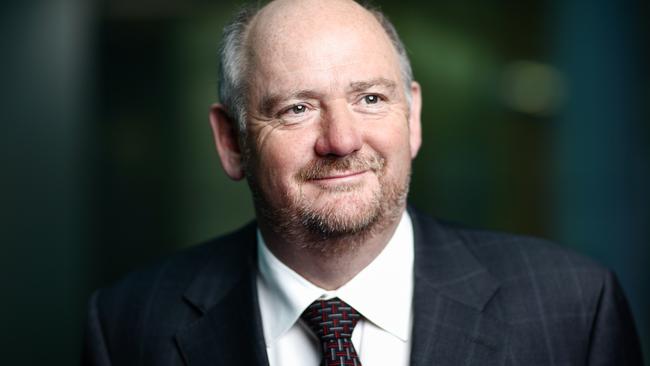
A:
[(320, 73), (323, 73), (316, 45), (315, 61)]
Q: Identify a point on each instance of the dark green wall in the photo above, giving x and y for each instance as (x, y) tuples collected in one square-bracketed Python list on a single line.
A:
[(535, 121)]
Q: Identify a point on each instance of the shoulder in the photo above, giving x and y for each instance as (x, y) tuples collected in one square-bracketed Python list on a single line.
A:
[(506, 255), (135, 320), (178, 269), (537, 279), (157, 290), (547, 296)]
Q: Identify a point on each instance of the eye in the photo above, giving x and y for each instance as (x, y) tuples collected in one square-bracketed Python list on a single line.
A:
[(371, 99), (295, 113), (298, 109)]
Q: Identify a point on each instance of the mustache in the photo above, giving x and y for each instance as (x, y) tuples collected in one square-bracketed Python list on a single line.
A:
[(323, 167)]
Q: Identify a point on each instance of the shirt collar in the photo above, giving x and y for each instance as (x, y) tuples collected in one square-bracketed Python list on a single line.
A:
[(382, 291)]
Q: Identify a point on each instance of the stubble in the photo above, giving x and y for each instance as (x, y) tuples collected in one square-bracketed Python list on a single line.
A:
[(331, 229)]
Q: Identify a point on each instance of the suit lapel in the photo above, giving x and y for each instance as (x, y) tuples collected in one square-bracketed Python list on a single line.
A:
[(451, 289), (224, 292)]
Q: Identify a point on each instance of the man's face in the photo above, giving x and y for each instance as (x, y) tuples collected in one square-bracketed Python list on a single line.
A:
[(329, 134)]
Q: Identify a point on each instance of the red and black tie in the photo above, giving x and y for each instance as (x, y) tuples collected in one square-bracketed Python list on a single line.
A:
[(333, 322)]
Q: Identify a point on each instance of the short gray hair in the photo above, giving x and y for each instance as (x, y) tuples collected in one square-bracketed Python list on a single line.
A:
[(233, 60)]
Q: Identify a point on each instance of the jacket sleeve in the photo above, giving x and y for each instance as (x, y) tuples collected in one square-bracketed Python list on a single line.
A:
[(613, 339), (95, 352)]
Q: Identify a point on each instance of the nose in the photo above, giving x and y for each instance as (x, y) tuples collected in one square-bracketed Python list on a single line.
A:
[(340, 134)]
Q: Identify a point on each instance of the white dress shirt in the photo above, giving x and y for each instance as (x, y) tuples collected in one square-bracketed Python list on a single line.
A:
[(382, 292)]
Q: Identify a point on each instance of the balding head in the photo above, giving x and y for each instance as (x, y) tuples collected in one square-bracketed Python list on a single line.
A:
[(313, 20), (258, 34), (323, 90)]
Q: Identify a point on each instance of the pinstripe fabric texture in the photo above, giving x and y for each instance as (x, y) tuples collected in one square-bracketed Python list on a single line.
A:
[(480, 298), (333, 322)]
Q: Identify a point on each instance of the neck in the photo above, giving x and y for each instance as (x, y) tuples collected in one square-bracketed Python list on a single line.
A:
[(331, 262)]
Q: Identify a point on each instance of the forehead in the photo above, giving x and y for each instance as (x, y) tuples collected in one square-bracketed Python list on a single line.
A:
[(320, 45)]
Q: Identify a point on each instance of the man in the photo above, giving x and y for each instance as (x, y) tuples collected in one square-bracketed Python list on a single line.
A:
[(321, 116)]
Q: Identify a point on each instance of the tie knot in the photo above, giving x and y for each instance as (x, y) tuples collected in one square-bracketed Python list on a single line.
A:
[(331, 319)]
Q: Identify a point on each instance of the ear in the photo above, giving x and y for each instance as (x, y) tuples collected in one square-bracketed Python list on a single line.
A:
[(226, 138), (415, 127)]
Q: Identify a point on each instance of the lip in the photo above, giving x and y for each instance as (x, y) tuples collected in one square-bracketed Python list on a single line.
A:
[(340, 176)]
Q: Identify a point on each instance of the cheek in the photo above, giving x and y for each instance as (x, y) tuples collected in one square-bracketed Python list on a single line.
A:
[(281, 157), (391, 139), (393, 144)]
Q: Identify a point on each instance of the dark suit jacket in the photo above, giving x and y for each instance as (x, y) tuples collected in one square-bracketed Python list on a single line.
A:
[(480, 298)]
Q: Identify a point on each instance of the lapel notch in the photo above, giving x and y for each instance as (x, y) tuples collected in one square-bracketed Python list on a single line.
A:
[(229, 330), (451, 291)]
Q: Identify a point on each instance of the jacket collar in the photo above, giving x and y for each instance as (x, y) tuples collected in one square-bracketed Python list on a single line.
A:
[(451, 292), (229, 332), (229, 259), (443, 262)]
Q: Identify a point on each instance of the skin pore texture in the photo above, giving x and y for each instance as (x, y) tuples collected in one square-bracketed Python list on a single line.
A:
[(330, 136)]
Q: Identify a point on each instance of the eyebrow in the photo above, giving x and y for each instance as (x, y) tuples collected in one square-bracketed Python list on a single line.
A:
[(359, 86), (269, 102)]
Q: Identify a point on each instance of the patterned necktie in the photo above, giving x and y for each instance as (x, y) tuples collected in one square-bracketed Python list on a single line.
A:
[(333, 322)]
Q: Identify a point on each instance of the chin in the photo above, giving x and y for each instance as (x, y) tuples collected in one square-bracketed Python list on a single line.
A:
[(348, 212), (344, 215)]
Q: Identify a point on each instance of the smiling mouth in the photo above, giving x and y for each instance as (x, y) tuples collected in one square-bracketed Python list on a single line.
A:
[(341, 175)]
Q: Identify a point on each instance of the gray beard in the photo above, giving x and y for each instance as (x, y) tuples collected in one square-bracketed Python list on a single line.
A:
[(327, 231)]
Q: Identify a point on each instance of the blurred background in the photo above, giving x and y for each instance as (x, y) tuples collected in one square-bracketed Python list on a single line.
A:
[(535, 121)]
